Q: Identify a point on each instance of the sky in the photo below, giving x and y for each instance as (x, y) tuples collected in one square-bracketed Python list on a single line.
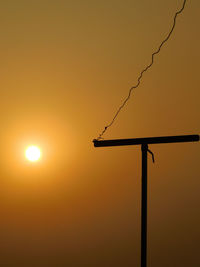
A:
[(65, 68)]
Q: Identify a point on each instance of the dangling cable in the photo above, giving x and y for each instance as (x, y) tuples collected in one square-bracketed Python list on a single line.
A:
[(142, 72)]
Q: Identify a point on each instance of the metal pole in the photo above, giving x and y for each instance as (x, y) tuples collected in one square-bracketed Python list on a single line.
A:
[(144, 207), (144, 142)]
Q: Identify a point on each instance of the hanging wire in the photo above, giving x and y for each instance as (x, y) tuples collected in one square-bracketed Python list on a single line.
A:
[(142, 72)]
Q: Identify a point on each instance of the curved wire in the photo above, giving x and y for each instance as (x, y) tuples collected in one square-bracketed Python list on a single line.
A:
[(142, 72)]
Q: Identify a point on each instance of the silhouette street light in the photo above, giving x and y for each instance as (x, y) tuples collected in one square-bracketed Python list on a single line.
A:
[(144, 142)]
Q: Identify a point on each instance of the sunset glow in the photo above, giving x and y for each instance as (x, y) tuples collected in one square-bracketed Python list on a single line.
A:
[(33, 153), (70, 70)]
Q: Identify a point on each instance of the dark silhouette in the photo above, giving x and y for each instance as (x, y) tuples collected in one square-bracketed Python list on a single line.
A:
[(144, 142), (142, 72)]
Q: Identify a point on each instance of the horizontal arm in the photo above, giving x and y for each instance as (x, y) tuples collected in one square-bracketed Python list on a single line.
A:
[(146, 140)]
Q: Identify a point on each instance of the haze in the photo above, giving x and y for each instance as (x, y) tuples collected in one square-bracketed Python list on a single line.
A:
[(65, 68)]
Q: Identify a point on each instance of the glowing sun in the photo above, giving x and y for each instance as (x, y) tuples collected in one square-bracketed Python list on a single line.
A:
[(33, 153)]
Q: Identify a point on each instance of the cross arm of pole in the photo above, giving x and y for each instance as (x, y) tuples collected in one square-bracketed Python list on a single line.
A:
[(146, 140)]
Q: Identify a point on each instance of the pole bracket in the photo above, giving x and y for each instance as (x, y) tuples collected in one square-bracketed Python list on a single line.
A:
[(153, 159)]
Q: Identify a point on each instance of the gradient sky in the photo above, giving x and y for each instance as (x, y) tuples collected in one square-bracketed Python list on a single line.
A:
[(65, 68)]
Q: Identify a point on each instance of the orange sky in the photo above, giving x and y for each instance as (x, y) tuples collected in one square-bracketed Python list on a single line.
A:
[(65, 68)]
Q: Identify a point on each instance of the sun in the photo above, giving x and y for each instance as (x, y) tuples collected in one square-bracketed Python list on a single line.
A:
[(33, 153)]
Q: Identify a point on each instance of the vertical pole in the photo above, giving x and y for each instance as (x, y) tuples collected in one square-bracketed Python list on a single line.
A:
[(144, 207)]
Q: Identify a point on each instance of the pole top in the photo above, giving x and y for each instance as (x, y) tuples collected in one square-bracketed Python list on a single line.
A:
[(146, 140)]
